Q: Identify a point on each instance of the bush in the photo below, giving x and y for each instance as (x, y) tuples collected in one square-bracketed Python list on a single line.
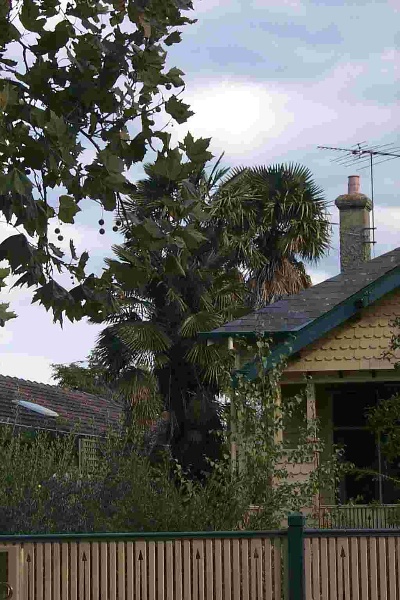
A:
[(42, 490)]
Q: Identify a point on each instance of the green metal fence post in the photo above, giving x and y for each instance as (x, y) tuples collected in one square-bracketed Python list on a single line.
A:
[(296, 588)]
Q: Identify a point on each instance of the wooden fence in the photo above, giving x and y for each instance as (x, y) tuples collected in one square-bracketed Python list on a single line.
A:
[(234, 565), (294, 564), (352, 565)]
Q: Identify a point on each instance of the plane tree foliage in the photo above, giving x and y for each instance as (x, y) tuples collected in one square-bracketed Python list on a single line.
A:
[(80, 84)]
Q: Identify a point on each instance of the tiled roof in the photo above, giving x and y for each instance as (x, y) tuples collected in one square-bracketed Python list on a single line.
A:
[(355, 345), (73, 406), (294, 312)]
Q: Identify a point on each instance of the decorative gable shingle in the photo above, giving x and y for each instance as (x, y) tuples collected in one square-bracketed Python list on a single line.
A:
[(354, 345)]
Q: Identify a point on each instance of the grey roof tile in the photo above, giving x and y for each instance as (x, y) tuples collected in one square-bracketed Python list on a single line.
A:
[(298, 309)]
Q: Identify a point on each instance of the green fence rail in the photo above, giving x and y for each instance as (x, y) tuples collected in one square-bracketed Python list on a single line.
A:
[(300, 563)]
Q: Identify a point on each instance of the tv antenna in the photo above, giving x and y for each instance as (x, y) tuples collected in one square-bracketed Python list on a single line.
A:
[(364, 154)]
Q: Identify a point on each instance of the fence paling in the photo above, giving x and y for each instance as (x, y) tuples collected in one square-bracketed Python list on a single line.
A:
[(351, 565), (190, 569)]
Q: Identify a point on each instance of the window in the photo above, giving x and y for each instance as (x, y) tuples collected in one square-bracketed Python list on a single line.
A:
[(350, 405)]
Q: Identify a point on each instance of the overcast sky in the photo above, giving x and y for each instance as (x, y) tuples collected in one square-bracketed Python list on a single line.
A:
[(269, 81)]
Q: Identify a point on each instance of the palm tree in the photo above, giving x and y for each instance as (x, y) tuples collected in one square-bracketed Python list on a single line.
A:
[(250, 233), (286, 223), (168, 294)]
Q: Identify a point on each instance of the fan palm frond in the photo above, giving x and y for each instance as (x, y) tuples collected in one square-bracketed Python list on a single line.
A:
[(110, 351), (139, 388), (173, 297), (143, 336), (201, 321), (214, 362)]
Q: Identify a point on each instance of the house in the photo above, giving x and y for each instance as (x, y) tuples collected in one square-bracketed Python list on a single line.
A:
[(31, 407), (337, 333)]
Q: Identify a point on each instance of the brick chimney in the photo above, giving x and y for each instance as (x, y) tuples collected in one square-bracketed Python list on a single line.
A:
[(354, 209)]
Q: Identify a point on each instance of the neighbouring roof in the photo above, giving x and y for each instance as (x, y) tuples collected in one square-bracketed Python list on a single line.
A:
[(293, 313), (92, 412), (300, 319)]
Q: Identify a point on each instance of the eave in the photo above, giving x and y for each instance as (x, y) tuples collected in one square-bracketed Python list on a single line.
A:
[(296, 340)]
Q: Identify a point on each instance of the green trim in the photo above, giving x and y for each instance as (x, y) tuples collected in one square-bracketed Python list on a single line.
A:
[(328, 321), (225, 334), (165, 535), (351, 533), (296, 576)]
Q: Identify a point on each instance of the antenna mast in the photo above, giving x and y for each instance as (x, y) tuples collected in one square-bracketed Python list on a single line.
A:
[(365, 154)]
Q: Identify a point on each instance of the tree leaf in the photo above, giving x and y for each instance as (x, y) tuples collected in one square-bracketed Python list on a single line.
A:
[(16, 250), (29, 16), (67, 209), (8, 61), (111, 161), (173, 38), (201, 321), (178, 110), (5, 314), (192, 236), (73, 250), (21, 183), (59, 253), (152, 228), (52, 41), (144, 336), (174, 76), (80, 269), (4, 272), (169, 166), (173, 266), (52, 295), (196, 150)]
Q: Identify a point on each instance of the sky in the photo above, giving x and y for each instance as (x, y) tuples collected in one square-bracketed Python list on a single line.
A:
[(269, 81)]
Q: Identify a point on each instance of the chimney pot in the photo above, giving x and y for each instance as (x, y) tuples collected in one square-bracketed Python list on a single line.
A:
[(354, 184)]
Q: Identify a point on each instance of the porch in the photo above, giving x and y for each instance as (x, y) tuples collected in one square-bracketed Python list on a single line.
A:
[(369, 498), (367, 516)]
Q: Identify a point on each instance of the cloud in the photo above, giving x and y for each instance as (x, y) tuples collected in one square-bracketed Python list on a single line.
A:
[(387, 223), (26, 366), (317, 276), (6, 336), (248, 118), (237, 114), (208, 8), (297, 7), (314, 34)]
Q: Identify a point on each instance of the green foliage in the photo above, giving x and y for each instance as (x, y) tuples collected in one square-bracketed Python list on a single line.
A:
[(384, 418), (384, 421), (134, 390), (75, 377), (272, 218), (264, 455), (41, 489), (5, 314), (88, 80), (197, 249)]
